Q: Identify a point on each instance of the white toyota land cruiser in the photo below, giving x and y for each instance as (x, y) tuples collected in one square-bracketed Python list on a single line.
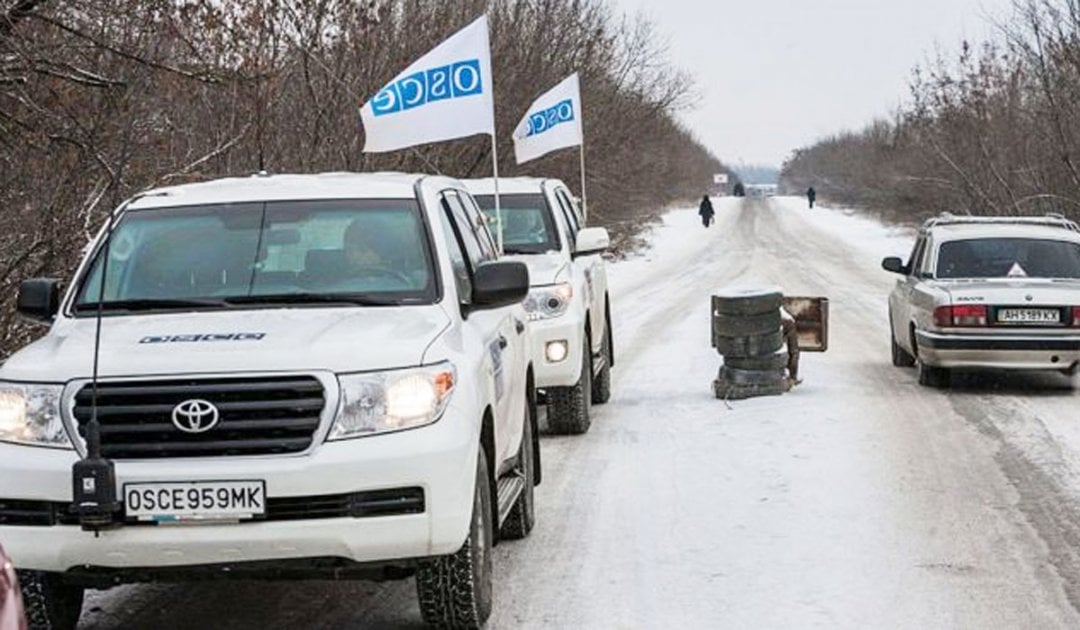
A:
[(568, 305), (302, 375)]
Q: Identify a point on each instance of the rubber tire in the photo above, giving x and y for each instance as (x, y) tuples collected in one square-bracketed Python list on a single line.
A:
[(745, 325), (931, 376), (569, 406), (900, 357), (764, 363), (522, 516), (725, 390), (601, 386), (751, 377), (750, 346), (49, 603), (455, 591), (749, 304)]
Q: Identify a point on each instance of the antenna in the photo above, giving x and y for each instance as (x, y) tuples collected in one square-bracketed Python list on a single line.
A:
[(94, 477)]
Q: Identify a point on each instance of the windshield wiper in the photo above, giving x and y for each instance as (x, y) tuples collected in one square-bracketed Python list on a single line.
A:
[(312, 298), (150, 304)]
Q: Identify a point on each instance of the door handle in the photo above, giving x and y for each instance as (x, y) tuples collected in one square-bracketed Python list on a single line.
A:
[(519, 326), (503, 342)]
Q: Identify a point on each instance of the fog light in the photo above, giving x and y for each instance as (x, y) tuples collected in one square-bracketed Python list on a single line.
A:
[(555, 351)]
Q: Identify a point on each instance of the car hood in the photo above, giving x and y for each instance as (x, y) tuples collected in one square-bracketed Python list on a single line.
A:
[(1014, 291), (280, 339), (544, 268)]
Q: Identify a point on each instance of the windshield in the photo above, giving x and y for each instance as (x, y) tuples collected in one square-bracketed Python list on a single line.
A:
[(528, 225), (1008, 257), (359, 251)]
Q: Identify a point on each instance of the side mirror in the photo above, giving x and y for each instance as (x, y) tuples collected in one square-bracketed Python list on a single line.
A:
[(498, 284), (39, 299), (591, 241), (893, 264)]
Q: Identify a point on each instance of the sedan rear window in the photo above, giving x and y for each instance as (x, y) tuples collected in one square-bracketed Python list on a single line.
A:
[(1008, 257)]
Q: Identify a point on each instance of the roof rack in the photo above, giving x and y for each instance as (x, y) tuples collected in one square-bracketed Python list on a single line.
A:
[(1050, 220)]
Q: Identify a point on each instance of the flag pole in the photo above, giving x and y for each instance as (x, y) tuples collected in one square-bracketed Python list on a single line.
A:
[(498, 204), (584, 197)]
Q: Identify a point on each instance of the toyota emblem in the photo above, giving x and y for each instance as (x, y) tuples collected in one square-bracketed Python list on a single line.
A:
[(195, 416)]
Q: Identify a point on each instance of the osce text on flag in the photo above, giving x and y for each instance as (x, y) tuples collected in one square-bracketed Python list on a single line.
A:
[(445, 82), (541, 121)]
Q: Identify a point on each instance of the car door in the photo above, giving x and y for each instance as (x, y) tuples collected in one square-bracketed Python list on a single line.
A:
[(499, 330), (902, 307), (590, 268)]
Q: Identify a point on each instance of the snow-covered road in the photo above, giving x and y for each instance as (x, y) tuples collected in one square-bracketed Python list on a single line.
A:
[(858, 500)]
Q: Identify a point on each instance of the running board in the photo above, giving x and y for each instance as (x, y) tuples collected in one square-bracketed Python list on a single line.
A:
[(510, 488)]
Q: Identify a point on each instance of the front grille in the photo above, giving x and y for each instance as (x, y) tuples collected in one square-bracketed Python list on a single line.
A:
[(270, 415), (369, 504), (21, 512)]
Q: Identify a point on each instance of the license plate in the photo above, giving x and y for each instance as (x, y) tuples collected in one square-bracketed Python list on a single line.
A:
[(1029, 316), (195, 500)]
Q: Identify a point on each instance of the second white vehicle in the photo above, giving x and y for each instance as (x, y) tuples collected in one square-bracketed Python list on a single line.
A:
[(569, 306)]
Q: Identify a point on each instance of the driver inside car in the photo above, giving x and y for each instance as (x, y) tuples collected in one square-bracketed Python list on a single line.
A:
[(361, 251)]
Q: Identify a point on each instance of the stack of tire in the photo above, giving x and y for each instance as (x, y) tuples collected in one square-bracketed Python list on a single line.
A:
[(746, 330)]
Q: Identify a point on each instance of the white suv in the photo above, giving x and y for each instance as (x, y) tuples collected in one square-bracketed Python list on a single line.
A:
[(568, 305), (303, 375)]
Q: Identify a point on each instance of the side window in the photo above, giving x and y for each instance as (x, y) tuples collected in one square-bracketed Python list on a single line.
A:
[(915, 262), (458, 264), (483, 234), (466, 230), (568, 216)]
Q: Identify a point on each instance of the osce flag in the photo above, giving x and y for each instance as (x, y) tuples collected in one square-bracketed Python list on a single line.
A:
[(552, 122), (446, 94)]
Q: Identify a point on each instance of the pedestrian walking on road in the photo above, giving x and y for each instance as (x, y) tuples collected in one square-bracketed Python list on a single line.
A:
[(706, 211), (811, 196)]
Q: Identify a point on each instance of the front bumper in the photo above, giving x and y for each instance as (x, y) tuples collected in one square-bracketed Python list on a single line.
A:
[(567, 372), (1049, 351), (440, 459)]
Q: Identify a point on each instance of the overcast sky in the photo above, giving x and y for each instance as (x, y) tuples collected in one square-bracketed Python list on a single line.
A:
[(774, 75)]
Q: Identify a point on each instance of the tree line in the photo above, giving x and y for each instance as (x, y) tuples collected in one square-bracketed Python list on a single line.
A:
[(995, 130), (102, 98)]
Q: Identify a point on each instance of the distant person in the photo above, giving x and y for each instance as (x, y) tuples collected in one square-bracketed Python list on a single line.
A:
[(811, 196), (739, 190), (706, 211)]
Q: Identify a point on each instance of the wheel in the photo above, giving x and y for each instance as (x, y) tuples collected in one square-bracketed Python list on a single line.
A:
[(750, 345), (745, 325), (747, 302), (900, 357), (601, 386), (932, 376), (455, 591), (751, 377), (570, 405), (768, 362), (50, 603), (523, 515)]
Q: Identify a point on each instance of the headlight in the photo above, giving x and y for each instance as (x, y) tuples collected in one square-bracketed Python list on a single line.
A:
[(550, 301), (391, 401), (30, 414)]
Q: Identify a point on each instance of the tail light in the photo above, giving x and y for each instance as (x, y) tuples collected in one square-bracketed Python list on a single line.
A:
[(967, 315), (1076, 316)]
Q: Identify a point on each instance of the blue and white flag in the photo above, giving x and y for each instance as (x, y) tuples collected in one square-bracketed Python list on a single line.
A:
[(552, 122), (446, 94)]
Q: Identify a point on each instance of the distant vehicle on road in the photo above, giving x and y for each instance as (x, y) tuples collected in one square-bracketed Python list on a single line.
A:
[(982, 292), (568, 304)]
